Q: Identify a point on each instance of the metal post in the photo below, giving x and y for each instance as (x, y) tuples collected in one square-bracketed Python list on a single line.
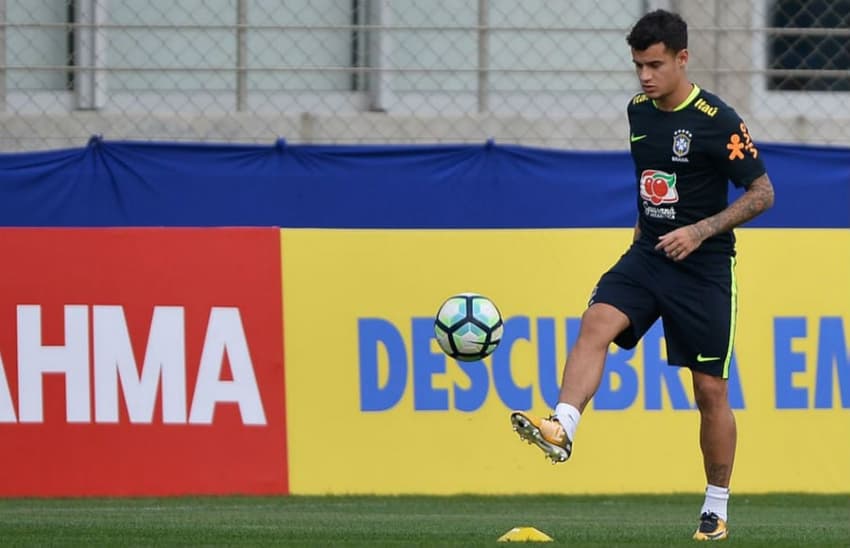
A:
[(3, 55), (89, 54), (241, 56), (359, 54), (483, 55), (380, 46)]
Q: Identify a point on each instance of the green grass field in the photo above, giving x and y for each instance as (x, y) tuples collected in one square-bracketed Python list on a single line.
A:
[(755, 520)]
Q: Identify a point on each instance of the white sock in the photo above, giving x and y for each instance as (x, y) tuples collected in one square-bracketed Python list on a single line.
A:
[(568, 416), (715, 500)]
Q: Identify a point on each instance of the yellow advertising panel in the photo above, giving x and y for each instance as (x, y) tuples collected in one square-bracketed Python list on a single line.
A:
[(373, 406)]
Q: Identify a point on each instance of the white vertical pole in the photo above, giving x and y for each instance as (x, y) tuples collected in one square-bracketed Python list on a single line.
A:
[(380, 48), (90, 54), (241, 56)]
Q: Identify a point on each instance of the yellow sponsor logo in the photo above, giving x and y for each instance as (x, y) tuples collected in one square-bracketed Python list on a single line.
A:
[(703, 106)]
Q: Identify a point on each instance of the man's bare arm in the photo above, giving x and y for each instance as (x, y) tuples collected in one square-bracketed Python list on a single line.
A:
[(757, 199), (679, 243)]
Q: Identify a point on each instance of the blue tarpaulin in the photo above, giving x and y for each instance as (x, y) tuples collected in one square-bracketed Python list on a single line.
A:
[(389, 186)]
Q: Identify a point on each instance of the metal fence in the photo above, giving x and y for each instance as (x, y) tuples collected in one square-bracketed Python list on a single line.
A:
[(554, 73)]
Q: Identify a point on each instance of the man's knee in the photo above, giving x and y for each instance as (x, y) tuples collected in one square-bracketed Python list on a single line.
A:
[(601, 323), (710, 392)]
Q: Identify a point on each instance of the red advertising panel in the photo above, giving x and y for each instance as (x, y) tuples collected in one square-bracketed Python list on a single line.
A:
[(141, 362)]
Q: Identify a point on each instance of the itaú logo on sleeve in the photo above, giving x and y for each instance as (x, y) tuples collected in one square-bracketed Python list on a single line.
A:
[(98, 364)]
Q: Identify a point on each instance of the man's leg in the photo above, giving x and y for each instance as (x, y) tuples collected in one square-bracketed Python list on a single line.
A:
[(718, 437), (600, 325), (717, 434)]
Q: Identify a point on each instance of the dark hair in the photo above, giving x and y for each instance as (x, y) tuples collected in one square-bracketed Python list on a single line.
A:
[(659, 26)]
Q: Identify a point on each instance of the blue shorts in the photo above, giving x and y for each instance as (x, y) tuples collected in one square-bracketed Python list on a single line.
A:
[(696, 300)]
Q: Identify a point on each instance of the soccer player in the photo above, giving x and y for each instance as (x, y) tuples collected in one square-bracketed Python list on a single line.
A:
[(687, 144)]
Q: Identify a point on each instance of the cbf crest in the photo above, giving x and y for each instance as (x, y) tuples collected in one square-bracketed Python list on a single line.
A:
[(681, 142)]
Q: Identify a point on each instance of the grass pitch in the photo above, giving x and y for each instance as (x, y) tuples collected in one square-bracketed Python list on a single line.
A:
[(668, 520)]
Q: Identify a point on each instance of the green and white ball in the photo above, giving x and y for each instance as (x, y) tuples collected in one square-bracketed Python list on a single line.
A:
[(468, 327)]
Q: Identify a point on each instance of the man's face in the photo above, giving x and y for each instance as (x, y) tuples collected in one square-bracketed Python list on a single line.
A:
[(659, 70)]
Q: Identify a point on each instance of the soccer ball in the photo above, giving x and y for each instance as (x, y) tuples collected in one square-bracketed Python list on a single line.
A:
[(468, 327)]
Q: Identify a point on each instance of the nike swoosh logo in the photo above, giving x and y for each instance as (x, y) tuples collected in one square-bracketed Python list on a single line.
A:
[(701, 358), (635, 138)]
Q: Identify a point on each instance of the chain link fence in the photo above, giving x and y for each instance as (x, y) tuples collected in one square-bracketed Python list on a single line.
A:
[(553, 73)]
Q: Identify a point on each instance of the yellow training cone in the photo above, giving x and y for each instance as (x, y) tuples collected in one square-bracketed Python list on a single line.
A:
[(525, 534)]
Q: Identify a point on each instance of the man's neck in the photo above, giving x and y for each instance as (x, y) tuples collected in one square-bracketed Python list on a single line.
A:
[(676, 99)]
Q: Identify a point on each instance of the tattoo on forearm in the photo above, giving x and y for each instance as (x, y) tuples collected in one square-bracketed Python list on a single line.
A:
[(757, 198), (700, 231)]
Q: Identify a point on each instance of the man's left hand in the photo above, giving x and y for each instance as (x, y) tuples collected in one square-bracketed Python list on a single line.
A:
[(678, 244)]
